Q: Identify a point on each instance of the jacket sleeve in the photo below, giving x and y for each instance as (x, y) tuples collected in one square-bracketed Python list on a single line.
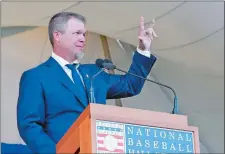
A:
[(122, 86), (31, 115)]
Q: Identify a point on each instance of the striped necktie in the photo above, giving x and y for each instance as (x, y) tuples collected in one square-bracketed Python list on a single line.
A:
[(77, 81)]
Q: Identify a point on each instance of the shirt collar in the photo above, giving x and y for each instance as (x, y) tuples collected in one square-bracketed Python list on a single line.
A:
[(62, 62)]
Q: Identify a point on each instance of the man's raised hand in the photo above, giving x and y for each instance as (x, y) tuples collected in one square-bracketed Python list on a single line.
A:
[(146, 35)]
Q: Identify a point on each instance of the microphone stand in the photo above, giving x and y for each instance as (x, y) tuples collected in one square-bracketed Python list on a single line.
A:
[(92, 99), (175, 107)]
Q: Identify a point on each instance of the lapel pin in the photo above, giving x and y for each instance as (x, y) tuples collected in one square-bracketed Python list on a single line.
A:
[(87, 76)]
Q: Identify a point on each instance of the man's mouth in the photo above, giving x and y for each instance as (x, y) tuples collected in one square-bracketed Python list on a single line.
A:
[(80, 46)]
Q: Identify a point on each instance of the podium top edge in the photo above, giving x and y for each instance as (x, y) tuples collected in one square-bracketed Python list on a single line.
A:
[(138, 116)]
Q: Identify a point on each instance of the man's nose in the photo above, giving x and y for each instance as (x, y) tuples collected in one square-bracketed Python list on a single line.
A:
[(82, 38)]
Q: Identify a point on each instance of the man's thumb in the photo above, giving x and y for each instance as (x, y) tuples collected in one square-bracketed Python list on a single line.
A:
[(140, 38)]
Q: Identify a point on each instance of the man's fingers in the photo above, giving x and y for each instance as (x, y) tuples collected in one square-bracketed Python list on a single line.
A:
[(143, 38), (150, 32), (154, 34), (141, 28), (140, 37), (152, 24)]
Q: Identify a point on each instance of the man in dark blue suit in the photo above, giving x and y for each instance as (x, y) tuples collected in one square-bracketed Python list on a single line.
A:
[(54, 94)]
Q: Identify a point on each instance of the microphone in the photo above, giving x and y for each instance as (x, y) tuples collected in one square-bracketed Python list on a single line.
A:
[(98, 62), (107, 64), (110, 65)]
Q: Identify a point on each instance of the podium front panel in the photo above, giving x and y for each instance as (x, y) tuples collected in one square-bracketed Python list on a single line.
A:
[(117, 137)]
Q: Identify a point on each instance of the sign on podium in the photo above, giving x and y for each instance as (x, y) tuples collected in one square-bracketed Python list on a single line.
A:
[(112, 129)]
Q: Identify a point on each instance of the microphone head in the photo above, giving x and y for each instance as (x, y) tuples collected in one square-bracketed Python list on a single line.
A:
[(109, 66), (107, 61), (99, 63)]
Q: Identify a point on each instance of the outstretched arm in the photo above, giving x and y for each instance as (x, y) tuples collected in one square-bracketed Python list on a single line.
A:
[(122, 86), (142, 63), (31, 115)]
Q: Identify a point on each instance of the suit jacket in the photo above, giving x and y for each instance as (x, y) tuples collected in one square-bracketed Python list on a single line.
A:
[(49, 103)]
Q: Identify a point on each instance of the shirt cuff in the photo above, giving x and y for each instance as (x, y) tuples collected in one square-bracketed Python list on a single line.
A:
[(145, 53)]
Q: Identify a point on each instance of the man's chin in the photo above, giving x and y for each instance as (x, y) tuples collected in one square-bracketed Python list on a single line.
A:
[(79, 55)]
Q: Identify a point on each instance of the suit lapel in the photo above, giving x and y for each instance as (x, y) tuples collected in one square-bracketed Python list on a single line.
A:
[(64, 79)]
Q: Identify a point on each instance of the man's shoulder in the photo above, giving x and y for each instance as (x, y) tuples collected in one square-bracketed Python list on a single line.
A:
[(91, 66), (36, 71)]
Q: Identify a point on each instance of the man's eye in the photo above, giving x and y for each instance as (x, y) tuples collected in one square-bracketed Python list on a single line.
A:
[(79, 33)]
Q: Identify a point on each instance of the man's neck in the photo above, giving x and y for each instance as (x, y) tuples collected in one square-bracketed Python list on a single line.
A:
[(68, 60), (65, 56)]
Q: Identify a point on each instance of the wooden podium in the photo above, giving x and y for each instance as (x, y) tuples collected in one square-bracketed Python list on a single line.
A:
[(112, 129)]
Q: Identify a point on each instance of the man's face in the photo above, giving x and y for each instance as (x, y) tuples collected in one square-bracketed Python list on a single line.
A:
[(73, 39)]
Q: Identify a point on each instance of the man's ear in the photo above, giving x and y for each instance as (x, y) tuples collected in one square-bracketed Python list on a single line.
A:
[(57, 36)]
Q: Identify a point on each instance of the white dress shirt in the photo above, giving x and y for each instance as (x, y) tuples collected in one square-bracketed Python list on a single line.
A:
[(145, 53), (62, 62)]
